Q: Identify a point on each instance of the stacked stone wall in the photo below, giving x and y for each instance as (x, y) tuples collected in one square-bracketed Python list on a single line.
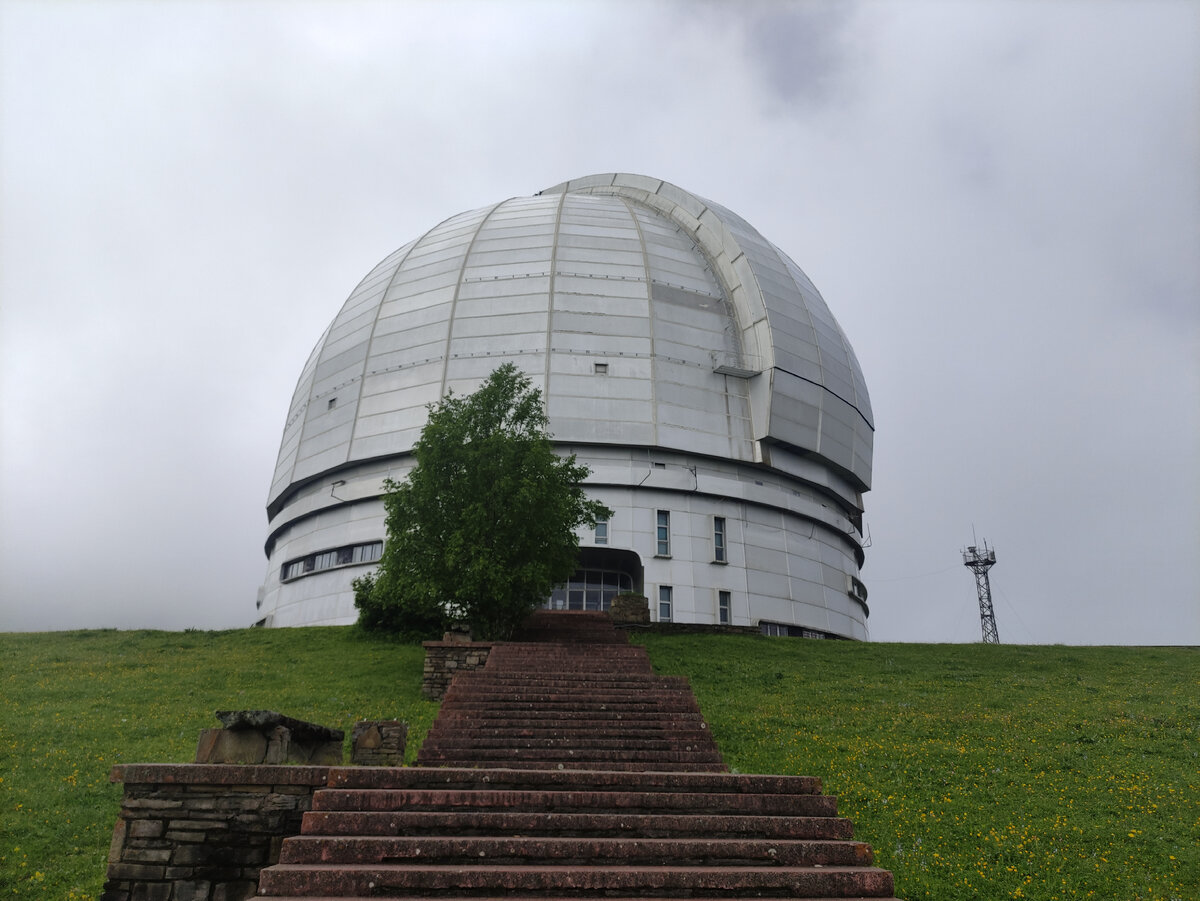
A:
[(379, 742), (191, 832), (445, 658)]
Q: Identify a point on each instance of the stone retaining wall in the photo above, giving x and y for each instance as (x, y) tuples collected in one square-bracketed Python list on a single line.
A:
[(196, 832), (445, 658)]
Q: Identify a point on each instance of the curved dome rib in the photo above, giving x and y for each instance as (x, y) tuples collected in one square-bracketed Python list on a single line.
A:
[(764, 285)]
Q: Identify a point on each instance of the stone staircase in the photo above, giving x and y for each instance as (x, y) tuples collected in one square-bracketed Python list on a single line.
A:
[(566, 769)]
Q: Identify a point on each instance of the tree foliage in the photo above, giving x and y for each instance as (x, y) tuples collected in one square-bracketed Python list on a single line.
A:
[(483, 527)]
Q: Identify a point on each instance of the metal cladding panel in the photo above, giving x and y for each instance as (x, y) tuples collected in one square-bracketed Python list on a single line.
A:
[(294, 425), (350, 329), (499, 323), (402, 420), (334, 438), (840, 434), (396, 314), (605, 409), (594, 323), (464, 374), (309, 465), (384, 444), (675, 392), (409, 397), (612, 386), (339, 366), (601, 345), (632, 305), (591, 431), (590, 286), (422, 384), (515, 295)]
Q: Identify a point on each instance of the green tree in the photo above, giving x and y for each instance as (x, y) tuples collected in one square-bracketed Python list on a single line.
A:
[(483, 527)]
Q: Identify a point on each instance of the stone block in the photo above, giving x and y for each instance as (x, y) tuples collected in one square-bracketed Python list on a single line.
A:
[(135, 872), (151, 891), (145, 829), (118, 841), (147, 855), (191, 891), (264, 737), (378, 742), (184, 838), (630, 609)]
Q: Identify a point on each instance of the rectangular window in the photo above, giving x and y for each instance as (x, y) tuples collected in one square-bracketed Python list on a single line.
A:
[(600, 368), (723, 599), (663, 547), (602, 531), (719, 539), (664, 603)]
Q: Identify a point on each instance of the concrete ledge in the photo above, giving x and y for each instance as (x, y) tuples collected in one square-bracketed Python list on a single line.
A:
[(218, 774)]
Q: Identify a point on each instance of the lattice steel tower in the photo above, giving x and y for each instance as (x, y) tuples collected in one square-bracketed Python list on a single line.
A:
[(979, 562)]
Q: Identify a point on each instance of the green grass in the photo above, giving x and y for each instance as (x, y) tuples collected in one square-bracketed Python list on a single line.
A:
[(976, 772), (73, 704)]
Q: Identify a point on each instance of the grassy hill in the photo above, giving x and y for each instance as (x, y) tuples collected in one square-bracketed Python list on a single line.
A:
[(975, 771)]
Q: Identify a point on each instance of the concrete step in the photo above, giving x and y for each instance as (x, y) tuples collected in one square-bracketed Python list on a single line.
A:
[(606, 718), (376, 880), (574, 851), (552, 756), (589, 680), (581, 739), (592, 780), (559, 824), (496, 736), (575, 801), (681, 702), (576, 698), (566, 765), (509, 896), (614, 725)]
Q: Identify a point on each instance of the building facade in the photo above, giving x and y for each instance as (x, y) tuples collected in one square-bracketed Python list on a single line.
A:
[(687, 361)]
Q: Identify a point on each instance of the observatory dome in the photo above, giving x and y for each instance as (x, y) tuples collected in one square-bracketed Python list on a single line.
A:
[(686, 360)]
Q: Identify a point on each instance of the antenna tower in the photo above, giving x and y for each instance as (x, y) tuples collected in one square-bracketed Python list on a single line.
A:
[(979, 562)]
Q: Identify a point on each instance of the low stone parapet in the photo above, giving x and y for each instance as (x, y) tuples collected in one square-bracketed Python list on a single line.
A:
[(203, 832), (630, 608), (252, 737), (378, 742), (443, 659)]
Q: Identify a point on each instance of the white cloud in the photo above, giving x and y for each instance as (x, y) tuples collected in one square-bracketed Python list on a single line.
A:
[(998, 200)]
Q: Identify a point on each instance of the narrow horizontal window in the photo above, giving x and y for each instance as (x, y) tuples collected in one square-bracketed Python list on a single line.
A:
[(348, 555)]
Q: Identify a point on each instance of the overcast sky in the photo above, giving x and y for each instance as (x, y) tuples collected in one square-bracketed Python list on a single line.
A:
[(1000, 201)]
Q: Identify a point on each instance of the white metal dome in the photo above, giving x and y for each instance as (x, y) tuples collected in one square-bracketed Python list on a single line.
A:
[(658, 325)]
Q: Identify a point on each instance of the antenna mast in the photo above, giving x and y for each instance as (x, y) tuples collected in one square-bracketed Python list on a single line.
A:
[(979, 562)]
